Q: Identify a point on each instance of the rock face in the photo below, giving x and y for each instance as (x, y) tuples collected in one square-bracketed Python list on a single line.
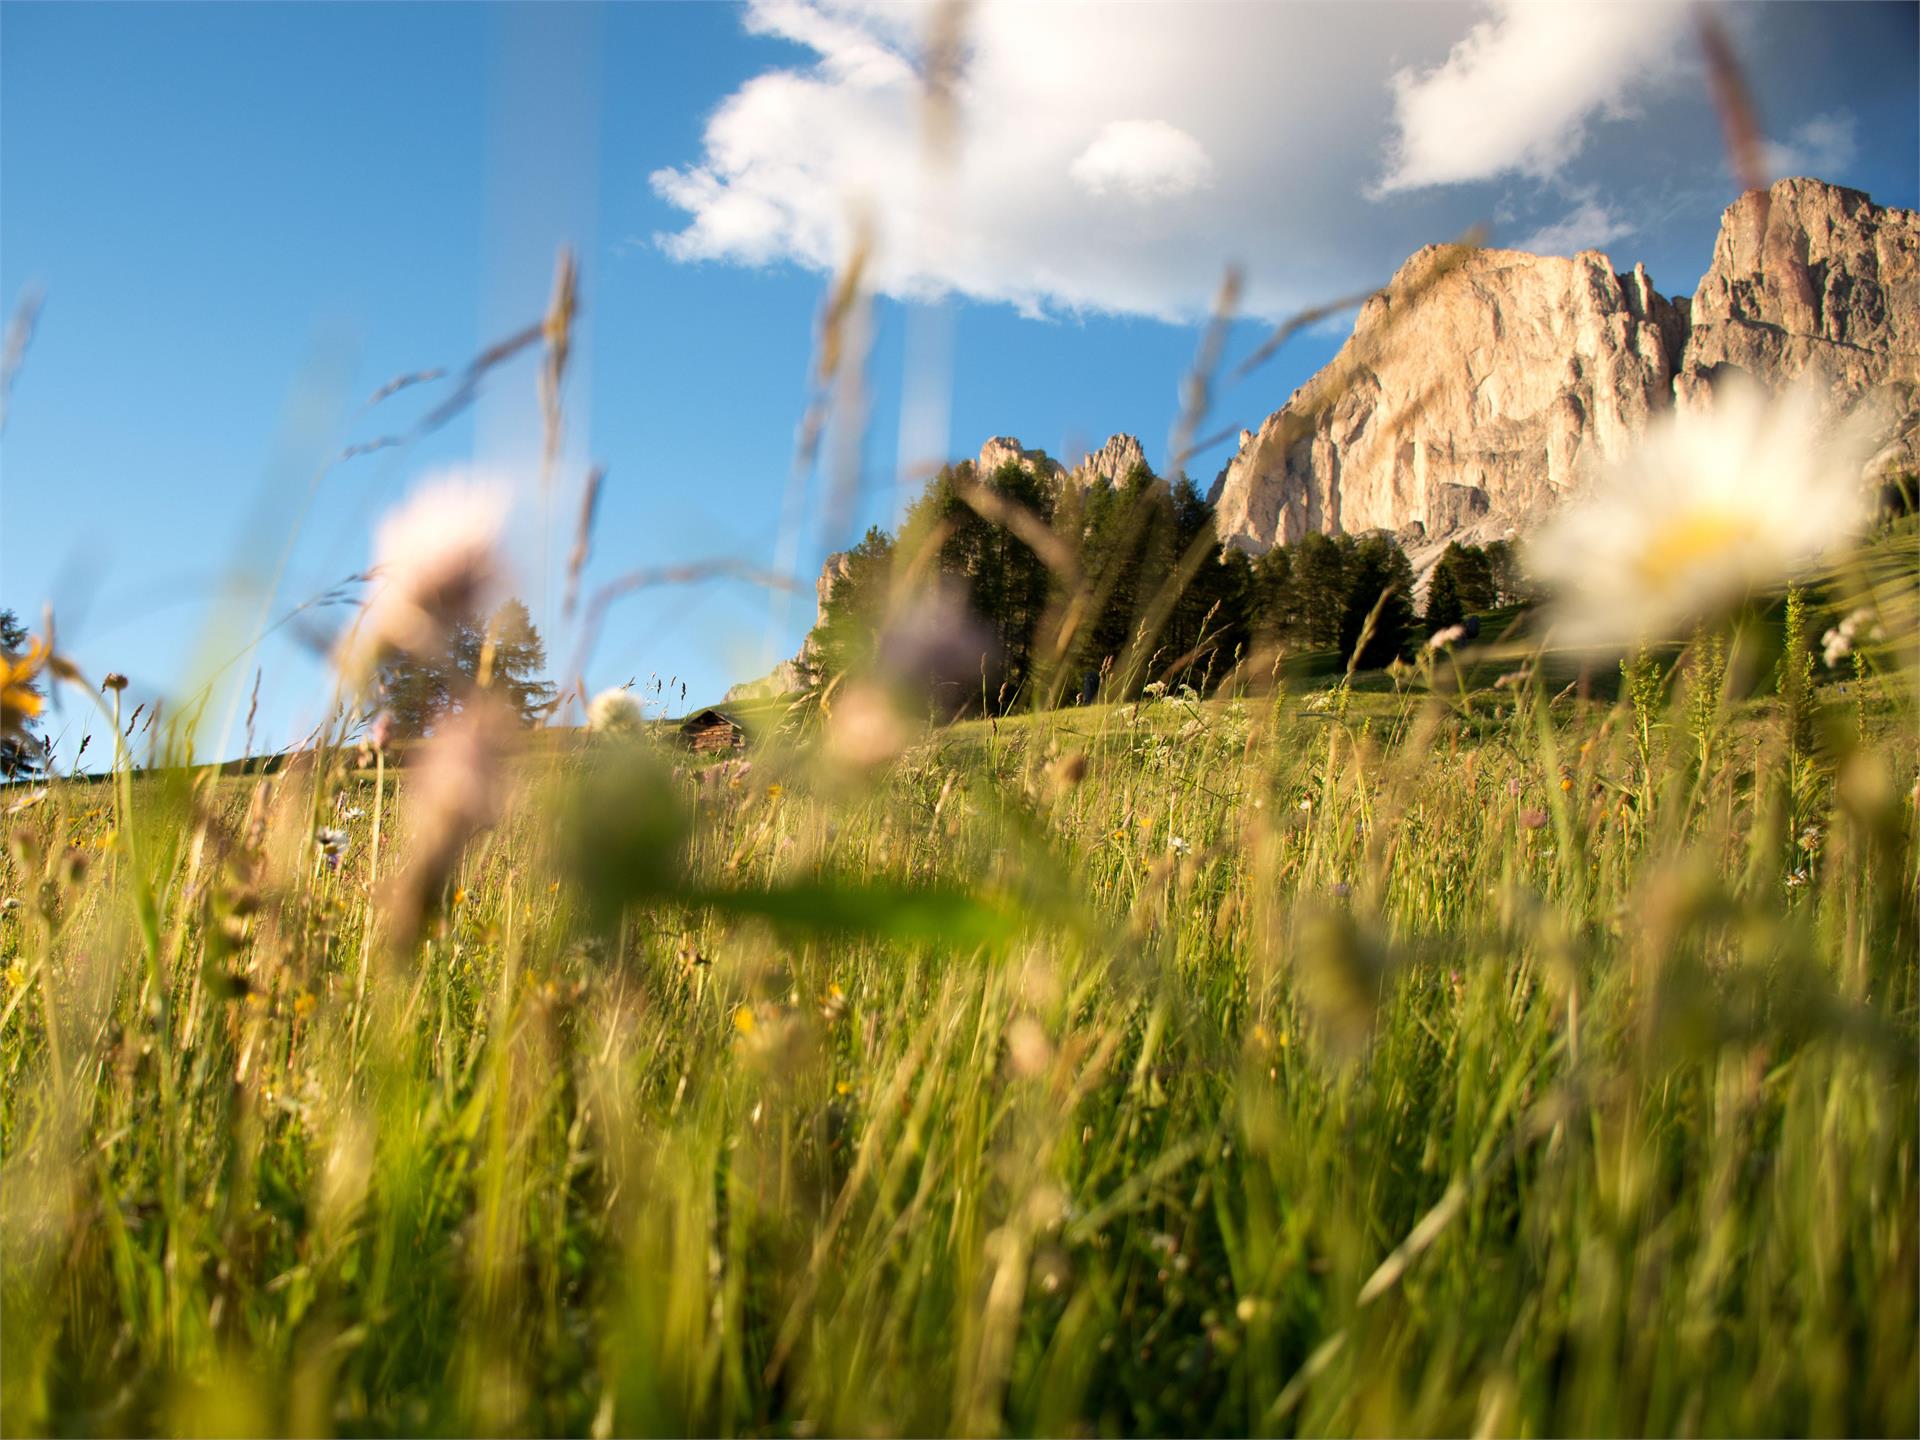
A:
[(1109, 465), (1005, 450), (1474, 386), (1810, 279), (1479, 386), (797, 674)]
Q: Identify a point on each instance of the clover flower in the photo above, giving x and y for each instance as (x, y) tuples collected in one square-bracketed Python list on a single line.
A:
[(614, 712), (437, 562)]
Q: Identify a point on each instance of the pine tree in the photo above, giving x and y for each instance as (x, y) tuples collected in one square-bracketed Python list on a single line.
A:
[(419, 689), (850, 621), (1320, 587), (519, 655), (1379, 603), (1274, 605), (1462, 584), (1503, 568)]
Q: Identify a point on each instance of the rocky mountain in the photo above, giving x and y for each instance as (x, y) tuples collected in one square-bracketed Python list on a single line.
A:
[(797, 673), (1480, 385), (1107, 465), (1812, 277)]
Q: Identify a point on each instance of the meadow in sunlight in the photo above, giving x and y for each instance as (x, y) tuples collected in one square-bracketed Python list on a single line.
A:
[(1432, 1053), (1122, 987)]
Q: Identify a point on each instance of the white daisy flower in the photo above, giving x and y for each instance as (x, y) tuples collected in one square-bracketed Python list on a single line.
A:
[(1838, 643), (436, 562), (1711, 506), (614, 712)]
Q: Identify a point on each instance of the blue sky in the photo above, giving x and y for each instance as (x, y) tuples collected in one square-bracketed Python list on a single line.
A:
[(244, 218)]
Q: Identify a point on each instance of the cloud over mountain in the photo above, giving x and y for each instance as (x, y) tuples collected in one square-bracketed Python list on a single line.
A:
[(1116, 158)]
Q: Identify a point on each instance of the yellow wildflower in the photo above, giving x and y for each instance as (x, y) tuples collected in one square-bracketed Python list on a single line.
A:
[(20, 702), (776, 790), (743, 1020)]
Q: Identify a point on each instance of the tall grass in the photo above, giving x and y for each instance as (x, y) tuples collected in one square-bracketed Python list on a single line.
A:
[(1427, 1060)]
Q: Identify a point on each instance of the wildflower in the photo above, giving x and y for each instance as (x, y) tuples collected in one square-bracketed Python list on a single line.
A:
[(1028, 1048), (333, 845), (303, 1004), (1533, 819), (437, 561), (459, 790), (1341, 889), (776, 790), (20, 700), (834, 1006), (863, 729), (1447, 638), (1178, 845), (743, 1020), (1154, 690), (460, 895), (614, 712), (1711, 506), (1838, 643)]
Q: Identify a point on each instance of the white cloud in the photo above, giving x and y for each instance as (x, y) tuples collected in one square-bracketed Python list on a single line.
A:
[(1822, 148), (1109, 158), (1144, 159), (1590, 225), (1116, 157), (1518, 93)]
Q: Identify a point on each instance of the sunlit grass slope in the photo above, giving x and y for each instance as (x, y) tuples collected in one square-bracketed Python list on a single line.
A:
[(1406, 1061)]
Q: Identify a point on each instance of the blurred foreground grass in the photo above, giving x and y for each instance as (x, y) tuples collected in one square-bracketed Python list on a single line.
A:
[(1309, 1062)]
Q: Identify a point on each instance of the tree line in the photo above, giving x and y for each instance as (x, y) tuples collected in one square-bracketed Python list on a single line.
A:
[(1070, 592), (417, 690)]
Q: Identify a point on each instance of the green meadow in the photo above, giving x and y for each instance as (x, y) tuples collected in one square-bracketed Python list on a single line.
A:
[(1419, 1054)]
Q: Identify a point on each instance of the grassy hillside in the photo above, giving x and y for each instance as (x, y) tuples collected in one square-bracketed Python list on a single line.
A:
[(1405, 1059)]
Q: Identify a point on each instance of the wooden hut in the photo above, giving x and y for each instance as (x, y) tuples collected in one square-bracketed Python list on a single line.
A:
[(713, 732)]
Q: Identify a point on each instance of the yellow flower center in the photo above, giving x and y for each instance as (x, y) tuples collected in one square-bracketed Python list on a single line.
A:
[(1683, 546)]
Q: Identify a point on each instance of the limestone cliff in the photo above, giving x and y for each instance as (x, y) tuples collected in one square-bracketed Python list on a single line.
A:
[(797, 674), (1474, 386), (1478, 387), (1810, 279), (1108, 465)]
